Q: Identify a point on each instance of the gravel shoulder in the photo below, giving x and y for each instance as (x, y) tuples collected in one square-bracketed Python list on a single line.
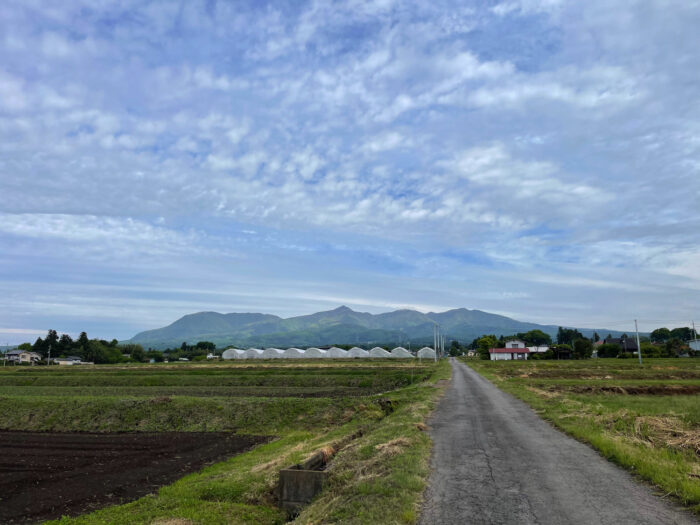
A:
[(495, 461)]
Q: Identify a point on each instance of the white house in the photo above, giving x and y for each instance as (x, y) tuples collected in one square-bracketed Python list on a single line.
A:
[(22, 356), (508, 354), (516, 343), (537, 349)]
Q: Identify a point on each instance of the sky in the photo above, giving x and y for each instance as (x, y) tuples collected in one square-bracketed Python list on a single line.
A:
[(534, 158)]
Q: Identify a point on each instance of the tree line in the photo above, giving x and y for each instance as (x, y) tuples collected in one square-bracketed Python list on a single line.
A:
[(571, 343)]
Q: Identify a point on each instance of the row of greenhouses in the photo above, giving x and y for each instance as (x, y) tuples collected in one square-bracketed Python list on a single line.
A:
[(330, 353)]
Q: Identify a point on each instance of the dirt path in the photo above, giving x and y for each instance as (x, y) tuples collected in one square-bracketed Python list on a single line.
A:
[(47, 475), (495, 461)]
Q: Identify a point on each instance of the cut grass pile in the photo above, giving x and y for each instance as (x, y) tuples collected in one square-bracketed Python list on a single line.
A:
[(377, 477), (645, 418)]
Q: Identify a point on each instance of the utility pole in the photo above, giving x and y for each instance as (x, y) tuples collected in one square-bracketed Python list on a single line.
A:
[(639, 346), (48, 361)]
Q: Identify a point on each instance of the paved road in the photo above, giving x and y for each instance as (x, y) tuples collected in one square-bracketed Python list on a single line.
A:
[(495, 461)]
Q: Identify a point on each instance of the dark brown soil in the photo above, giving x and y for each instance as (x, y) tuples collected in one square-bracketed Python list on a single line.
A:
[(48, 475), (649, 390)]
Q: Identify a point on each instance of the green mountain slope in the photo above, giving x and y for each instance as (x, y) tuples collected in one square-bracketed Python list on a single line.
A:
[(339, 326)]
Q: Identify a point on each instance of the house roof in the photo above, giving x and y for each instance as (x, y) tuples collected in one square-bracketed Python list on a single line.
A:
[(509, 351)]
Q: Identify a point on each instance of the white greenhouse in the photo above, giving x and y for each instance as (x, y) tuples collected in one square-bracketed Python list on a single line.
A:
[(252, 353), (401, 352), (379, 352), (356, 351), (337, 352), (314, 353), (233, 353), (293, 353), (272, 353), (426, 353)]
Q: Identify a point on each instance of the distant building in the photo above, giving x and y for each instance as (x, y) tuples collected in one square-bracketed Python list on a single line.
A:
[(514, 353), (70, 360), (515, 344), (694, 345), (537, 349), (22, 357), (627, 344)]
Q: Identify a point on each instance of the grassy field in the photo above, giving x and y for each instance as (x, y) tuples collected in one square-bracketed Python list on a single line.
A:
[(377, 474), (645, 418)]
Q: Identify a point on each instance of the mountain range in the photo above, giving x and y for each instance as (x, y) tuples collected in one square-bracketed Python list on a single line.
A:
[(339, 326)]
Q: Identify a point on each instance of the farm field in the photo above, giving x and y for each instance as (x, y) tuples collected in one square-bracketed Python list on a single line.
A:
[(645, 418), (367, 415)]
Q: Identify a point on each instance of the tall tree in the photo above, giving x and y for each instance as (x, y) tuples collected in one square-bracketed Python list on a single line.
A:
[(484, 344), (50, 343), (583, 348), (536, 338), (684, 333), (660, 335), (65, 345)]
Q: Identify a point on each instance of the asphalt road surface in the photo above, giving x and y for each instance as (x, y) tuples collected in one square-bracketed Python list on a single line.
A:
[(495, 461)]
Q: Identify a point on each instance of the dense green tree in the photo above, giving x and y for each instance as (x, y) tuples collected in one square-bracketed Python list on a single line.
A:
[(684, 333), (568, 335), (138, 354), (583, 348), (155, 355), (674, 347), (39, 346), (130, 348), (485, 343), (560, 351), (97, 352), (205, 345), (660, 335), (608, 350), (535, 338), (64, 346), (455, 349), (82, 342), (596, 337), (27, 347)]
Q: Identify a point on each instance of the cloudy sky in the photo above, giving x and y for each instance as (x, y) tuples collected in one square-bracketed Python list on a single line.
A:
[(534, 158)]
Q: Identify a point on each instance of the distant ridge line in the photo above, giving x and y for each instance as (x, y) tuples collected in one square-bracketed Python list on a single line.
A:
[(341, 325)]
